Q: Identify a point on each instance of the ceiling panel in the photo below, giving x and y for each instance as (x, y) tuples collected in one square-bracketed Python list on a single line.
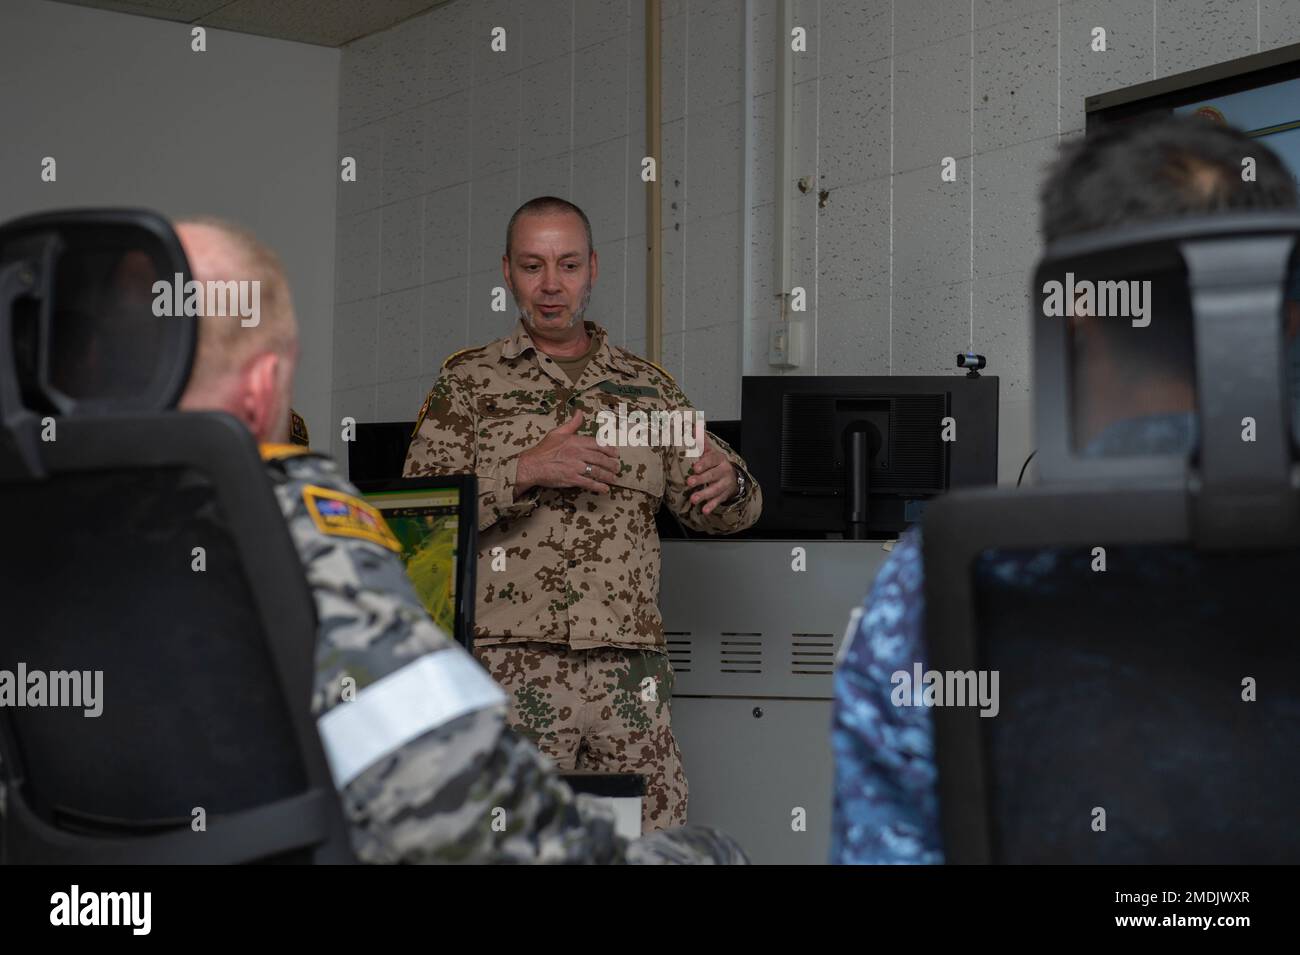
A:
[(323, 22)]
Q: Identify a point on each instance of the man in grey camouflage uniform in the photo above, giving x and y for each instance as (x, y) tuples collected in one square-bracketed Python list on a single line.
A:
[(414, 730), (567, 615)]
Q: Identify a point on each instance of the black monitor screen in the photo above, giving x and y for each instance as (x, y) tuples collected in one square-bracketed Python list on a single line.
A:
[(907, 453), (379, 451), (860, 456)]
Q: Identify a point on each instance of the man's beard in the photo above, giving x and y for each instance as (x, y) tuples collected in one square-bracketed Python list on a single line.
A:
[(576, 317)]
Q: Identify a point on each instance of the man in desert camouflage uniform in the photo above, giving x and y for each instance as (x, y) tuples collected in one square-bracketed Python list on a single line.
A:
[(568, 580), (414, 730)]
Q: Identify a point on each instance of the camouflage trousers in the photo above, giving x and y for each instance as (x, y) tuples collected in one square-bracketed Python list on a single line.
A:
[(600, 710)]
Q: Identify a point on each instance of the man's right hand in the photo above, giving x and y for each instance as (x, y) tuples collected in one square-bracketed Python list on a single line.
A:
[(565, 458)]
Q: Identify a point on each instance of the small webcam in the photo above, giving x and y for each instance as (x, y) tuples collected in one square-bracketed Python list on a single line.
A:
[(973, 362)]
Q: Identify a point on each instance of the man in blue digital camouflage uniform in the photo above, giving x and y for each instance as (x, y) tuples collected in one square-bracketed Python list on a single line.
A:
[(886, 805)]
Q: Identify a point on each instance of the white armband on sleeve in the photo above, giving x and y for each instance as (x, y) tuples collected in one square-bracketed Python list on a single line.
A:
[(402, 706)]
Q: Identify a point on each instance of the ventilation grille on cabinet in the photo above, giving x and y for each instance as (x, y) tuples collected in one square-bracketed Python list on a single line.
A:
[(679, 650), (741, 653), (812, 654)]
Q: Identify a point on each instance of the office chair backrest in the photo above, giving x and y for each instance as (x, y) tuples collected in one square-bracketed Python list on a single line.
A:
[(154, 554), (1132, 702), (1163, 690)]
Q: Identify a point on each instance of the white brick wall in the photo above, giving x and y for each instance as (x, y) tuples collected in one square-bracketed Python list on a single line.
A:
[(451, 137)]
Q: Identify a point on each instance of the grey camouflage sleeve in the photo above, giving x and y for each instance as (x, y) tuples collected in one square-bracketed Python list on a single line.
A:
[(501, 802)]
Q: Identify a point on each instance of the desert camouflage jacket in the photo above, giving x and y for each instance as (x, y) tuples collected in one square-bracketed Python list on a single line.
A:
[(567, 565)]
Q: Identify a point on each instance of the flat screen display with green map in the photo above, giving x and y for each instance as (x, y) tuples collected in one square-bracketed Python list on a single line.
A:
[(426, 524)]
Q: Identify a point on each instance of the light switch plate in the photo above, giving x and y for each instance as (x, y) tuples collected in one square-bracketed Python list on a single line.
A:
[(785, 344)]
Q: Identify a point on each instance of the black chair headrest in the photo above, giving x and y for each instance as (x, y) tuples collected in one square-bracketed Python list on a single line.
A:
[(87, 326), (1187, 318), (95, 340)]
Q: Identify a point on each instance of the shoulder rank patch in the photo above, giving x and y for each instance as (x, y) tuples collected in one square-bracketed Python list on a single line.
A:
[(424, 410), (657, 367), (298, 429), (661, 369), (454, 356), (342, 515)]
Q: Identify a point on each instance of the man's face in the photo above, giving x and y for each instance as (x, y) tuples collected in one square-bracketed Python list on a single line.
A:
[(551, 271)]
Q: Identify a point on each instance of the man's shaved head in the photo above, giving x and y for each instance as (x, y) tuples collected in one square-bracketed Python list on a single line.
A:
[(547, 206), (239, 368), (222, 251)]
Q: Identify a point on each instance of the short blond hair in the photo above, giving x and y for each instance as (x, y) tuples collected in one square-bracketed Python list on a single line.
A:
[(225, 344)]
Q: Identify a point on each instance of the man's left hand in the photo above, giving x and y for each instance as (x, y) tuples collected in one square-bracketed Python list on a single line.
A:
[(713, 477)]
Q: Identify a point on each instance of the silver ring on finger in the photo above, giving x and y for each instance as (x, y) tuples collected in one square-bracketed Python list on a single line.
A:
[(587, 470)]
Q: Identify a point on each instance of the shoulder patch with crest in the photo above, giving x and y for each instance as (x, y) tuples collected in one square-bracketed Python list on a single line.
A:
[(341, 515)]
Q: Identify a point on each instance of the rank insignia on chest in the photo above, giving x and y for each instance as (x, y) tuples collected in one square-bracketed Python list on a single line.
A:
[(629, 391), (341, 515)]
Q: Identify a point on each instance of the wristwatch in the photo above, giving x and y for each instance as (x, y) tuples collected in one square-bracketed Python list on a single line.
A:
[(740, 487)]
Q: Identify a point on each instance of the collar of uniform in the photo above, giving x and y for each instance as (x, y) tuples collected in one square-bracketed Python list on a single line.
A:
[(605, 356), (518, 343), (271, 451)]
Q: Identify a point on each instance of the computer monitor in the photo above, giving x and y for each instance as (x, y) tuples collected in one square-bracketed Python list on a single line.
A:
[(859, 457), (436, 522), (378, 451)]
